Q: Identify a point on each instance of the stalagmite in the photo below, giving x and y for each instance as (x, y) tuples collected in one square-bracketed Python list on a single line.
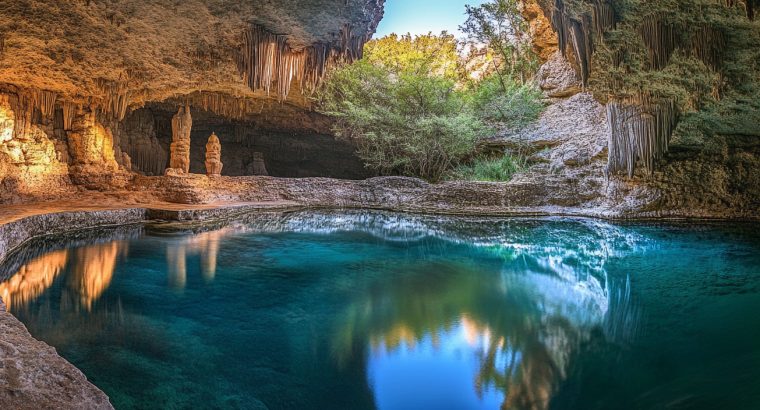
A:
[(259, 166), (126, 161), (182, 123), (214, 156), (640, 131)]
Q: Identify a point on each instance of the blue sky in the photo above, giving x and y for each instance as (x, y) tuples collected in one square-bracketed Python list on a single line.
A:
[(422, 16)]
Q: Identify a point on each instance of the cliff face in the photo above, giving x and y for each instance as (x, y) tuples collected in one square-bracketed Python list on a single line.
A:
[(678, 82), (668, 71), (72, 73), (137, 51)]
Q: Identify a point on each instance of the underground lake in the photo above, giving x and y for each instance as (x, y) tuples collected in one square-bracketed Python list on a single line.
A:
[(376, 310)]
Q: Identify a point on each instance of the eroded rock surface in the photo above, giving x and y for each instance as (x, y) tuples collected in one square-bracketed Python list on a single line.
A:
[(179, 157), (138, 51), (213, 156), (33, 376), (557, 78)]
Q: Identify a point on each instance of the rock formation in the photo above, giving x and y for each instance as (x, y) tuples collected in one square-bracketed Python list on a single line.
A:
[(182, 124), (213, 156), (666, 71), (259, 166), (119, 55)]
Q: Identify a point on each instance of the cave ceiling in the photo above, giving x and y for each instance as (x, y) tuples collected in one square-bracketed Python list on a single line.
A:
[(132, 52)]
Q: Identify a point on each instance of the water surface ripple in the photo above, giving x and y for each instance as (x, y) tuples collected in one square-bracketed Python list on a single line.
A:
[(375, 310)]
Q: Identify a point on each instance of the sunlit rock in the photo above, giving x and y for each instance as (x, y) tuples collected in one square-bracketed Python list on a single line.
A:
[(213, 156), (182, 123)]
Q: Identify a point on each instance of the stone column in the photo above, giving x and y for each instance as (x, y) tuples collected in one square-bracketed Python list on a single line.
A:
[(179, 158), (213, 156), (259, 166)]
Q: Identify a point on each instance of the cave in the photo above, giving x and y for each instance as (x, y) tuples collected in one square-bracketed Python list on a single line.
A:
[(284, 150), (275, 204)]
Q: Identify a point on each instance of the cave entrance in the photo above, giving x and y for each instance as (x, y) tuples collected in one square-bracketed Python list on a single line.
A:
[(286, 147)]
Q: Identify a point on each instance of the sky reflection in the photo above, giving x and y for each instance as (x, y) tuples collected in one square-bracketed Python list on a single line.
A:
[(367, 310)]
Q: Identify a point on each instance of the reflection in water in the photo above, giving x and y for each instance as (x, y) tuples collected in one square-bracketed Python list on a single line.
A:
[(520, 327), (520, 338), (369, 310), (32, 279), (205, 244), (91, 269), (91, 272)]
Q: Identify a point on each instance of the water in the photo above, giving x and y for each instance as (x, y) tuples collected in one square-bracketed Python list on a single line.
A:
[(360, 310)]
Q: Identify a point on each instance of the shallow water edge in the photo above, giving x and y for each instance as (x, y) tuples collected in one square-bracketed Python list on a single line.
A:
[(21, 239)]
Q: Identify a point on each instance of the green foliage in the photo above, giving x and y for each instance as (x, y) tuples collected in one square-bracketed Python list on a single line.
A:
[(500, 25), (713, 74), (502, 100), (433, 54), (500, 169), (409, 108), (401, 120)]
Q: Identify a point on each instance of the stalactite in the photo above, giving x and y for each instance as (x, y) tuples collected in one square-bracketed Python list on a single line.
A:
[(44, 101), (31, 106), (116, 98), (582, 46), (660, 40), (69, 111), (221, 104), (602, 17), (22, 104), (639, 133), (240, 134), (148, 157), (749, 5), (752, 5), (580, 32), (138, 138), (267, 62), (708, 44)]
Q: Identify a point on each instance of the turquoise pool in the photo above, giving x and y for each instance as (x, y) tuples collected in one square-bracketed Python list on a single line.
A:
[(373, 310)]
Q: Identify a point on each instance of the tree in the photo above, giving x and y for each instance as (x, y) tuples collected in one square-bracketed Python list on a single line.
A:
[(402, 108), (500, 25), (426, 54)]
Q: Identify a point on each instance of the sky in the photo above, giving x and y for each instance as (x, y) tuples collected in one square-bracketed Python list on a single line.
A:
[(423, 16)]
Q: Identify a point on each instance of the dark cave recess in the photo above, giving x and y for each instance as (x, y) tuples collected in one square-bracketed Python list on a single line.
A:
[(299, 148)]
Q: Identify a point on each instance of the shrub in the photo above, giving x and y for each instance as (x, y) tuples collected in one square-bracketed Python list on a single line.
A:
[(402, 122), (500, 169), (499, 99)]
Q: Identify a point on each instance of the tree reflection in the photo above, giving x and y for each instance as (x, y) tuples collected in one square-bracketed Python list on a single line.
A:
[(524, 324)]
